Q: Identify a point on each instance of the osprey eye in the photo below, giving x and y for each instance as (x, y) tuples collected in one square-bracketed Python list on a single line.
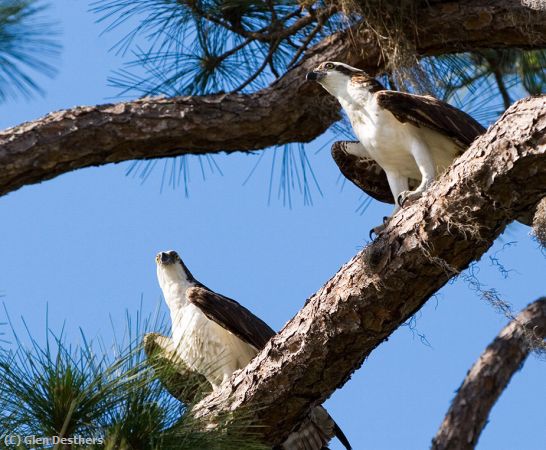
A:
[(328, 66)]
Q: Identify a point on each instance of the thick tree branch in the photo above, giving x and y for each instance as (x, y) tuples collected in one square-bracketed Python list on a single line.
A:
[(488, 378), (367, 175), (290, 110), (423, 246)]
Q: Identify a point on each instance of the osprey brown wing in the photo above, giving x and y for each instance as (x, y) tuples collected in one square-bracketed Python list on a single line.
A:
[(431, 113), (231, 315)]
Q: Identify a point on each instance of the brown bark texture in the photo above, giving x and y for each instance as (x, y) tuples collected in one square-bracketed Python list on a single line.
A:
[(424, 245), (488, 378), (290, 110), (368, 176), (539, 223)]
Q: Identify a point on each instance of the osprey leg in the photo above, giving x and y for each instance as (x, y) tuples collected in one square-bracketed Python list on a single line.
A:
[(425, 162), (398, 185)]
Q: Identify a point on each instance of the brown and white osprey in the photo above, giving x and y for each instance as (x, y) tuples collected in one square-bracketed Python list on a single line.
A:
[(215, 336), (412, 137)]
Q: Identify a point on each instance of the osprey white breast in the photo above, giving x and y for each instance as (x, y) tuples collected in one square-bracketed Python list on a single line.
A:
[(409, 136), (215, 336), (203, 344)]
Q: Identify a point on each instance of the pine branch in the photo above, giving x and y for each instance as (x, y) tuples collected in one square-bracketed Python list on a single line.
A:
[(489, 377), (267, 29), (151, 128), (424, 245), (368, 176)]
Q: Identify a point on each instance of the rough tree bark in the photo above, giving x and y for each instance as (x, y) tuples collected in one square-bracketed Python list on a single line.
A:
[(423, 246), (290, 110), (539, 223), (367, 175), (488, 378), (501, 177)]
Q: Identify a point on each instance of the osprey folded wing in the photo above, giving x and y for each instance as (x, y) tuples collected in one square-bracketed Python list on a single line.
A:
[(429, 112), (231, 315)]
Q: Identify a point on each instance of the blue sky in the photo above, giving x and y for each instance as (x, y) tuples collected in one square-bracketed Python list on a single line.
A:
[(84, 245)]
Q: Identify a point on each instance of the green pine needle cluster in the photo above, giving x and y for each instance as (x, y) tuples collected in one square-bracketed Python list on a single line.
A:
[(508, 68), (27, 47), (207, 46), (57, 390), (195, 47)]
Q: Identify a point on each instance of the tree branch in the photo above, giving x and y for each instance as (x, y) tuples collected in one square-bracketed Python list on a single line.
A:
[(423, 246), (539, 223), (290, 110), (488, 378), (367, 175)]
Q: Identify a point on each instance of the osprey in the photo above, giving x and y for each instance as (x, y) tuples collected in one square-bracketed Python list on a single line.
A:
[(412, 137), (215, 336)]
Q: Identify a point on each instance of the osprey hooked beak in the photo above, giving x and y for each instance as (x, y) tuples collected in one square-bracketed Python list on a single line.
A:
[(322, 70), (167, 258), (171, 267), (315, 75)]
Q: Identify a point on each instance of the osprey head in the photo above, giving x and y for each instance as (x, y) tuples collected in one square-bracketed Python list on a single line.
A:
[(167, 258), (335, 77), (171, 268)]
